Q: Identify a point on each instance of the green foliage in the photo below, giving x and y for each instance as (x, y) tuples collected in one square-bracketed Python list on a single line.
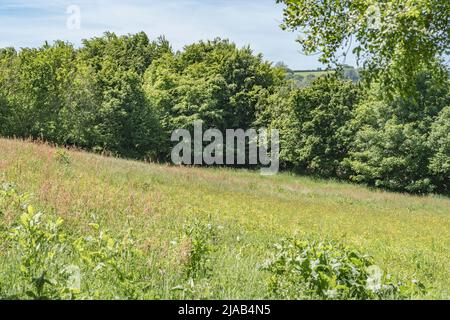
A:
[(334, 128), (201, 237), (93, 97), (393, 38), (213, 81), (90, 97), (34, 82), (124, 95), (325, 270), (439, 142), (38, 247), (134, 53), (4, 112), (45, 261), (110, 76), (114, 261), (196, 248), (391, 147), (251, 213), (50, 263), (312, 122), (41, 246), (10, 202), (62, 156)]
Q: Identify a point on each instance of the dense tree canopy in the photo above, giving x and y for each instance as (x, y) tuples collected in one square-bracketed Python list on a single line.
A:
[(439, 142), (90, 97), (35, 82), (116, 117), (213, 81)]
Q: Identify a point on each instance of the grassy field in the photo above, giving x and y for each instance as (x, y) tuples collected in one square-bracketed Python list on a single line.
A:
[(316, 73), (408, 236), (307, 77)]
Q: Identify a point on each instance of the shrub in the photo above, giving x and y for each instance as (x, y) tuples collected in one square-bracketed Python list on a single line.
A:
[(11, 202), (325, 270), (196, 247), (113, 261)]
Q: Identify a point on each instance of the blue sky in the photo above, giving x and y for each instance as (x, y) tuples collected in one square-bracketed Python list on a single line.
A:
[(28, 23)]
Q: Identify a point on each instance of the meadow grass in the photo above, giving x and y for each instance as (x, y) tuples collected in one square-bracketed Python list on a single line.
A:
[(408, 236)]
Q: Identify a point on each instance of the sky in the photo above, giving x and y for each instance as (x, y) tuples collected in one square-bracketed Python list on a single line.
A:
[(29, 23)]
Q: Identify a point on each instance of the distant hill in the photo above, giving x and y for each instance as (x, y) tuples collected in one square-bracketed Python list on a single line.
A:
[(305, 77)]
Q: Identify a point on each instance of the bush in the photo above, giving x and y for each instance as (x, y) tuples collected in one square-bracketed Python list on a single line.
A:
[(325, 270), (195, 256), (62, 157), (42, 248), (113, 262)]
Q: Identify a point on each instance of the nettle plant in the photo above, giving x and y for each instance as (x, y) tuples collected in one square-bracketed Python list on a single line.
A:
[(49, 263), (113, 260), (62, 157), (327, 270), (201, 237), (39, 247), (197, 246)]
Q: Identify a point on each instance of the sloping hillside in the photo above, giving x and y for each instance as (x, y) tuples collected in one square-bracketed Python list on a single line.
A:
[(233, 217)]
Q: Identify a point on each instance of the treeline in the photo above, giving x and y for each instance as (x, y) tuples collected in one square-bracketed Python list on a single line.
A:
[(127, 94)]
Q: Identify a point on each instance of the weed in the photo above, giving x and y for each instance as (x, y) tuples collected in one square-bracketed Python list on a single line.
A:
[(50, 261), (200, 238), (326, 270), (113, 260), (41, 248), (62, 157)]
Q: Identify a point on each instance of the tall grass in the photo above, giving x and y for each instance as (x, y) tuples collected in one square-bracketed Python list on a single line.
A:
[(157, 231)]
